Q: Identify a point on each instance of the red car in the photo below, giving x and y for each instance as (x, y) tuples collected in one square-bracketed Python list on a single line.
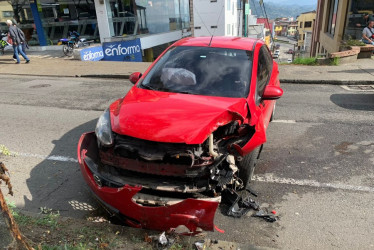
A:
[(191, 126)]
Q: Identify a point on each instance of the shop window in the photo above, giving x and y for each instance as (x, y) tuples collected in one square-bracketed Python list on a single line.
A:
[(356, 20), (7, 13), (333, 11), (228, 5), (308, 24)]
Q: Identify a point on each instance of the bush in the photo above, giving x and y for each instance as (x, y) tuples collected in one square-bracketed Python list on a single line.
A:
[(334, 61), (305, 61)]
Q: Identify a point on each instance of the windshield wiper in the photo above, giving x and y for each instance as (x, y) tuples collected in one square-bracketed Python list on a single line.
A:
[(147, 87)]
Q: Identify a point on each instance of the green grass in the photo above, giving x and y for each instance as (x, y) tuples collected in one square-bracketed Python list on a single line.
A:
[(305, 61), (335, 61), (65, 247)]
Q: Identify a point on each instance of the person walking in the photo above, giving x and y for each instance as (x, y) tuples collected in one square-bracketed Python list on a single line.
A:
[(18, 39), (368, 33)]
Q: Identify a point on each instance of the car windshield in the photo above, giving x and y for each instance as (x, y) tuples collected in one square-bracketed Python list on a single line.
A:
[(202, 71)]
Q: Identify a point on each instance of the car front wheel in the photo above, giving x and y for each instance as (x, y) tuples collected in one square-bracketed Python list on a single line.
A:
[(247, 166)]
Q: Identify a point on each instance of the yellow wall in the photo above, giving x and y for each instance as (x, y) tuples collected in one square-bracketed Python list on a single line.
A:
[(331, 43), (307, 17), (5, 6)]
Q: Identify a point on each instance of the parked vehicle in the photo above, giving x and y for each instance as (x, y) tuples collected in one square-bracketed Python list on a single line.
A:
[(290, 51), (289, 60), (72, 42), (3, 42), (277, 52), (192, 126)]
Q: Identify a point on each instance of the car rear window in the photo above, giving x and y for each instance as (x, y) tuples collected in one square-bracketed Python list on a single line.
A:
[(202, 71)]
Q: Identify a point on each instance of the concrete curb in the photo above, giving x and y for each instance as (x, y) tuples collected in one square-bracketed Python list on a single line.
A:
[(106, 76), (289, 81), (328, 82)]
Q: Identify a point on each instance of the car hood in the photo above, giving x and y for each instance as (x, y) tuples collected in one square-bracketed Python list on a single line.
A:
[(172, 117)]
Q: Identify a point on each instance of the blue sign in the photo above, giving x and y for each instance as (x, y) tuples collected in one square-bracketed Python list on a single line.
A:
[(124, 51), (92, 54)]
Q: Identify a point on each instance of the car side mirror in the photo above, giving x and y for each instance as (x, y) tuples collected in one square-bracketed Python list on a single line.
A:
[(134, 77), (272, 93)]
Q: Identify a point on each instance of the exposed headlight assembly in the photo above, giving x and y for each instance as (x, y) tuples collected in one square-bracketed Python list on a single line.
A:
[(103, 129)]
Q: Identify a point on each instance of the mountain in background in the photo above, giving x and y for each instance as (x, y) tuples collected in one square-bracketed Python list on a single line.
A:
[(282, 8)]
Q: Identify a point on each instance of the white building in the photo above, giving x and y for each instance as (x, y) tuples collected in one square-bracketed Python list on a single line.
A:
[(217, 17)]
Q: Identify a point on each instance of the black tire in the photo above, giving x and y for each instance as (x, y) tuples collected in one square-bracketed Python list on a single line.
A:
[(273, 113), (68, 49), (247, 166)]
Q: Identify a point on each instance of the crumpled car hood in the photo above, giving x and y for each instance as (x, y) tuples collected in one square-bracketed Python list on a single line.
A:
[(171, 117)]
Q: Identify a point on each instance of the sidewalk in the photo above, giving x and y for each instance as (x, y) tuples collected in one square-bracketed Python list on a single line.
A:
[(53, 63)]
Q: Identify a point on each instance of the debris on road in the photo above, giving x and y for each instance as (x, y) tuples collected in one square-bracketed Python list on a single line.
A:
[(5, 178), (266, 216), (239, 206), (11, 238)]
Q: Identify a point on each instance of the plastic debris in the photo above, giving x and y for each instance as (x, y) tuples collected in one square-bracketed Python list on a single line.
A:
[(199, 245), (162, 239), (266, 216), (219, 230), (239, 206)]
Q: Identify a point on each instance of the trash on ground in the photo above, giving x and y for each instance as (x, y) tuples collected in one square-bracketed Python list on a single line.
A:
[(266, 216)]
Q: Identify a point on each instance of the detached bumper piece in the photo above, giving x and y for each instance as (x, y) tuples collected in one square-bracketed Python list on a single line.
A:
[(192, 213)]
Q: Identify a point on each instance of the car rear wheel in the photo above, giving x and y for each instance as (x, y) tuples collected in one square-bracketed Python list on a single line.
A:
[(247, 166)]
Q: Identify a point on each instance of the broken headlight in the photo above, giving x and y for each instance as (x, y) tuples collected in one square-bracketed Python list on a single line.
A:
[(103, 129)]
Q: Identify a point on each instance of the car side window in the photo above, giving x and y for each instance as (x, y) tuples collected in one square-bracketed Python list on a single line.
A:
[(264, 68)]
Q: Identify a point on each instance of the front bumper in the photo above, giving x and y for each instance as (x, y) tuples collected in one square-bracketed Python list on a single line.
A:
[(192, 213)]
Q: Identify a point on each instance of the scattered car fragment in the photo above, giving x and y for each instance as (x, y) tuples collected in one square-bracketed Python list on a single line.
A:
[(192, 126)]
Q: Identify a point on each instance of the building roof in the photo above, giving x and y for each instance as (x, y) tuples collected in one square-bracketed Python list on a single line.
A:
[(266, 23), (243, 43)]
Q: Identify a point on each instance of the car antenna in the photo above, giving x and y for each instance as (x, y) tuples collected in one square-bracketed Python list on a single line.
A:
[(210, 40), (223, 6)]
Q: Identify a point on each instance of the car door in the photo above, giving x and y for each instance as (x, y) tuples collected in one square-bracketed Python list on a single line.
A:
[(264, 70)]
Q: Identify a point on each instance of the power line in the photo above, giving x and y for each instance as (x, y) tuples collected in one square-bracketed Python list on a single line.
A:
[(267, 20), (254, 4), (202, 20), (223, 6)]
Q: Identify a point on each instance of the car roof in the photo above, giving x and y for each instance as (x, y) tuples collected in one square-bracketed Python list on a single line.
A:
[(243, 43)]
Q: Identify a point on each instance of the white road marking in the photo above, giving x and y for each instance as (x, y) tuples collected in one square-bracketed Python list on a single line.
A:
[(284, 121), (311, 183), (46, 157)]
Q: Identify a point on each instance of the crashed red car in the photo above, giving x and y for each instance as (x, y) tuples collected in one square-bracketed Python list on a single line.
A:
[(191, 126)]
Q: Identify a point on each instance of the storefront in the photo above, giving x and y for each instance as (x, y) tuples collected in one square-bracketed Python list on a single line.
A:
[(155, 22), (359, 12), (339, 20)]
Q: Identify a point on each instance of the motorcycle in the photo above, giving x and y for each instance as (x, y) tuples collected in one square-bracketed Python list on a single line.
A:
[(3, 42), (72, 42)]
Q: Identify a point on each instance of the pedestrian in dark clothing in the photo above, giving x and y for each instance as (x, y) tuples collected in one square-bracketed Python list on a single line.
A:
[(366, 18), (18, 38)]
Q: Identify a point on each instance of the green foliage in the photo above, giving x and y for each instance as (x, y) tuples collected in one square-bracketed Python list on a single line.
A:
[(352, 42), (305, 61), (4, 150), (335, 61), (65, 247)]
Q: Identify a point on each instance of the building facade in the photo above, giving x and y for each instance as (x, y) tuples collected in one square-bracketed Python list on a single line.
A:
[(218, 18), (305, 24), (339, 20), (155, 22)]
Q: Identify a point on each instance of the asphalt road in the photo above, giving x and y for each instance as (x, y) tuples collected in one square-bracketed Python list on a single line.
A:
[(316, 170)]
